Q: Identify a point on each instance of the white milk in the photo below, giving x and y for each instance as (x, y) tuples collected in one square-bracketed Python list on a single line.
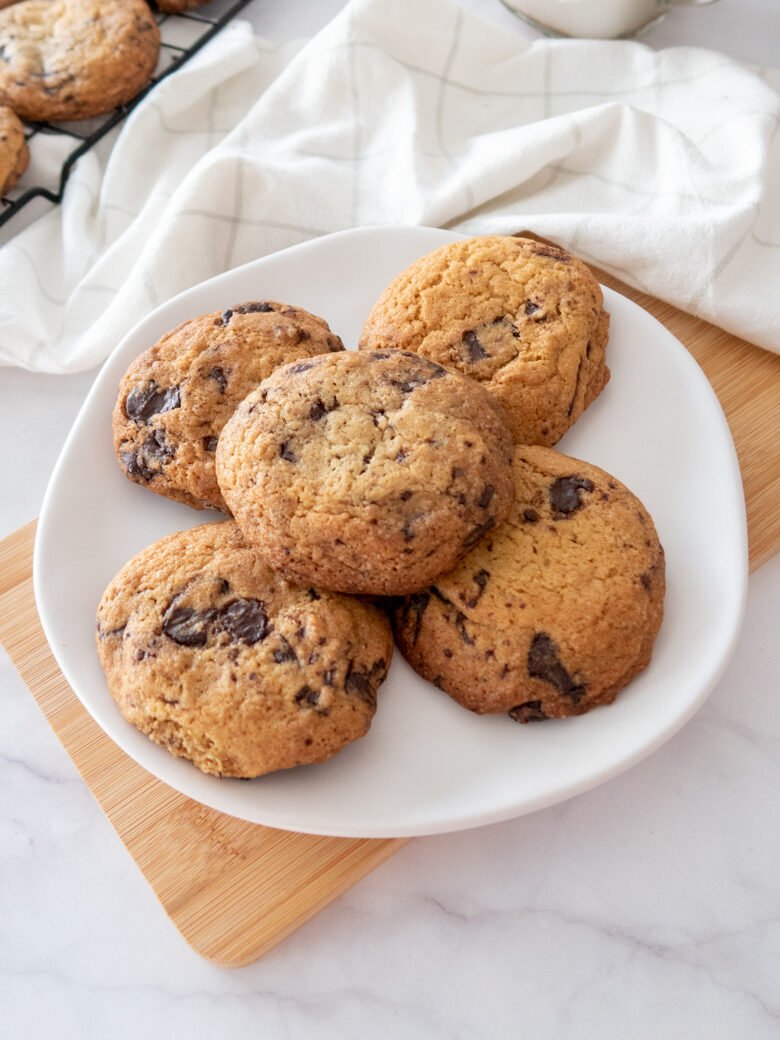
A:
[(591, 18)]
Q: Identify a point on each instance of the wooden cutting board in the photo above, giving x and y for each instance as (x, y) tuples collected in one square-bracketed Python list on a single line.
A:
[(235, 889)]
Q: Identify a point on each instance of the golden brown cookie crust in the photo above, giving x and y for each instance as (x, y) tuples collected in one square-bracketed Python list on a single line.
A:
[(553, 613), (175, 398), (366, 473), (524, 318), (73, 59), (222, 661), (14, 153)]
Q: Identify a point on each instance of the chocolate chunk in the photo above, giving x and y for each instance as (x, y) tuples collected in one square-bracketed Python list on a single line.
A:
[(254, 307), (474, 536), (530, 711), (359, 684), (544, 663), (405, 496), (285, 652), (154, 449), (531, 307), (485, 498), (313, 594), (210, 444), (287, 453), (304, 366), (480, 579), (530, 516), (149, 399), (413, 609), (565, 494), (307, 697), (244, 620), (473, 348), (220, 378), (460, 624), (187, 627)]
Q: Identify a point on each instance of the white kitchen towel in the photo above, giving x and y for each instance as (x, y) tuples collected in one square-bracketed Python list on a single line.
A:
[(662, 167)]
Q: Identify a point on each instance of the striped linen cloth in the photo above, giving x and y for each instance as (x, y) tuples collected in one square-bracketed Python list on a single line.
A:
[(661, 167)]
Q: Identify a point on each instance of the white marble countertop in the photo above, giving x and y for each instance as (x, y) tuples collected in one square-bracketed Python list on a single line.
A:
[(647, 908)]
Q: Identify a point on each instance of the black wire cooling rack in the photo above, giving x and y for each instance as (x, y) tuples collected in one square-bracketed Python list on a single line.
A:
[(86, 135)]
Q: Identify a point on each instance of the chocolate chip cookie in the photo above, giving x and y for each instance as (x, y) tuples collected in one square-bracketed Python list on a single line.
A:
[(366, 472), (525, 319), (14, 153), (554, 612), (73, 59), (175, 398), (222, 661)]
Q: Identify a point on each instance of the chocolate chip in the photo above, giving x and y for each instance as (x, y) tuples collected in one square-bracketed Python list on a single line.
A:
[(407, 386), (530, 516), (485, 498), (645, 580), (576, 388), (285, 652), (405, 496), (329, 678), (530, 711), (287, 453), (565, 494), (220, 378), (308, 697), (187, 627), (553, 252), (473, 348), (244, 620), (149, 399), (474, 536), (413, 609), (210, 443), (531, 307), (402, 456), (313, 594), (318, 409), (544, 663), (304, 366), (447, 652)]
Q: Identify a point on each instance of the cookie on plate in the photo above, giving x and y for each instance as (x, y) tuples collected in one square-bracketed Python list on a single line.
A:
[(525, 319), (175, 398), (14, 153), (222, 661), (73, 59), (366, 473), (554, 612)]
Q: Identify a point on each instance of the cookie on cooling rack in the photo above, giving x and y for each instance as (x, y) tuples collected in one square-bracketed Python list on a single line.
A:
[(554, 612), (523, 318), (175, 398), (222, 661), (73, 59), (366, 473), (14, 153)]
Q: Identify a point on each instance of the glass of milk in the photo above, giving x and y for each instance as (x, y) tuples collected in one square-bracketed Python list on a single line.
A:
[(595, 19)]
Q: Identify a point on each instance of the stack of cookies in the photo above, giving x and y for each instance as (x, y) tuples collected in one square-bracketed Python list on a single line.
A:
[(62, 60), (409, 488)]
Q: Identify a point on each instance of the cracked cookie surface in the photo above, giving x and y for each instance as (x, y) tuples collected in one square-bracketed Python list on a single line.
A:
[(222, 661), (366, 473), (73, 59), (523, 318), (554, 612), (176, 397), (14, 153)]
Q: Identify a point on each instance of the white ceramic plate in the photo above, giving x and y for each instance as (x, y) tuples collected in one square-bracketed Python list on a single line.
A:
[(427, 765)]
